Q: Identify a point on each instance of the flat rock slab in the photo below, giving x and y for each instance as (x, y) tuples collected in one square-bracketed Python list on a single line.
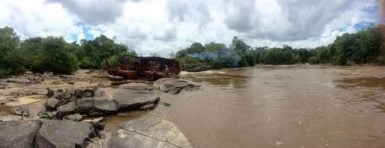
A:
[(63, 134), (136, 86), (18, 134), (148, 131), (174, 86), (108, 100), (9, 118)]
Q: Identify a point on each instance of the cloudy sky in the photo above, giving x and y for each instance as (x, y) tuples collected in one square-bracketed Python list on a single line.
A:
[(165, 26)]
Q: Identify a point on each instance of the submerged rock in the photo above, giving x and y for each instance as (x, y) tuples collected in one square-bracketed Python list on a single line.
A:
[(148, 131), (174, 86), (56, 133), (18, 134)]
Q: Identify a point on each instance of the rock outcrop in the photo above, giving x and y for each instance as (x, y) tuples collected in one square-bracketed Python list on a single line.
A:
[(148, 131), (45, 134), (18, 134), (102, 101), (56, 133)]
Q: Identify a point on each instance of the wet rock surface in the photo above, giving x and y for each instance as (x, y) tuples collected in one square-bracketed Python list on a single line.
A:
[(148, 131), (174, 86)]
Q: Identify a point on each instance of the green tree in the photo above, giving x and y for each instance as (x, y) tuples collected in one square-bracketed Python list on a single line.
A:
[(11, 59), (94, 54), (55, 57)]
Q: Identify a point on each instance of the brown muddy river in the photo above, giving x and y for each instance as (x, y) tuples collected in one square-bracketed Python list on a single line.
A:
[(282, 106)]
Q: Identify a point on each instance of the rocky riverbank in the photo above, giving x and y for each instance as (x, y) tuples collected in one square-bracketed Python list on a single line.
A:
[(48, 110)]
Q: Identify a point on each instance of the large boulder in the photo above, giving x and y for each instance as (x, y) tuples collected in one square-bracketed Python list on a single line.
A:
[(108, 100), (132, 100), (96, 105), (63, 134), (174, 86), (148, 131), (18, 134), (105, 104)]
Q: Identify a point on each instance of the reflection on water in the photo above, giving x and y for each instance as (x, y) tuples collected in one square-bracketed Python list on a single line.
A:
[(285, 106), (115, 120)]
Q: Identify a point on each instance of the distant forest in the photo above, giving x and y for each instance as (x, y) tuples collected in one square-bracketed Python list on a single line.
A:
[(54, 54), (363, 47)]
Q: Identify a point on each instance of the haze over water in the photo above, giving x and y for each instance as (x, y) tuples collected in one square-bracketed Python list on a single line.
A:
[(285, 106)]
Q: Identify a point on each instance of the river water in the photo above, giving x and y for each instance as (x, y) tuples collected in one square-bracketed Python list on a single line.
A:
[(282, 106)]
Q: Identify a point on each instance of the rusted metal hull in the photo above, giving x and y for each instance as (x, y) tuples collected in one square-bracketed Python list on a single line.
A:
[(150, 68)]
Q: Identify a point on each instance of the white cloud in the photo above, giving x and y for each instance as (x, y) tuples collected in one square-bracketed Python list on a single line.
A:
[(36, 18), (164, 26)]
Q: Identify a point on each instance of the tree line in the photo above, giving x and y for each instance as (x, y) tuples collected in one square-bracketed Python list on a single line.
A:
[(363, 47), (54, 54)]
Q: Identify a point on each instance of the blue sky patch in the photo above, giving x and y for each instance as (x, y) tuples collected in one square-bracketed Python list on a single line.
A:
[(86, 31)]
